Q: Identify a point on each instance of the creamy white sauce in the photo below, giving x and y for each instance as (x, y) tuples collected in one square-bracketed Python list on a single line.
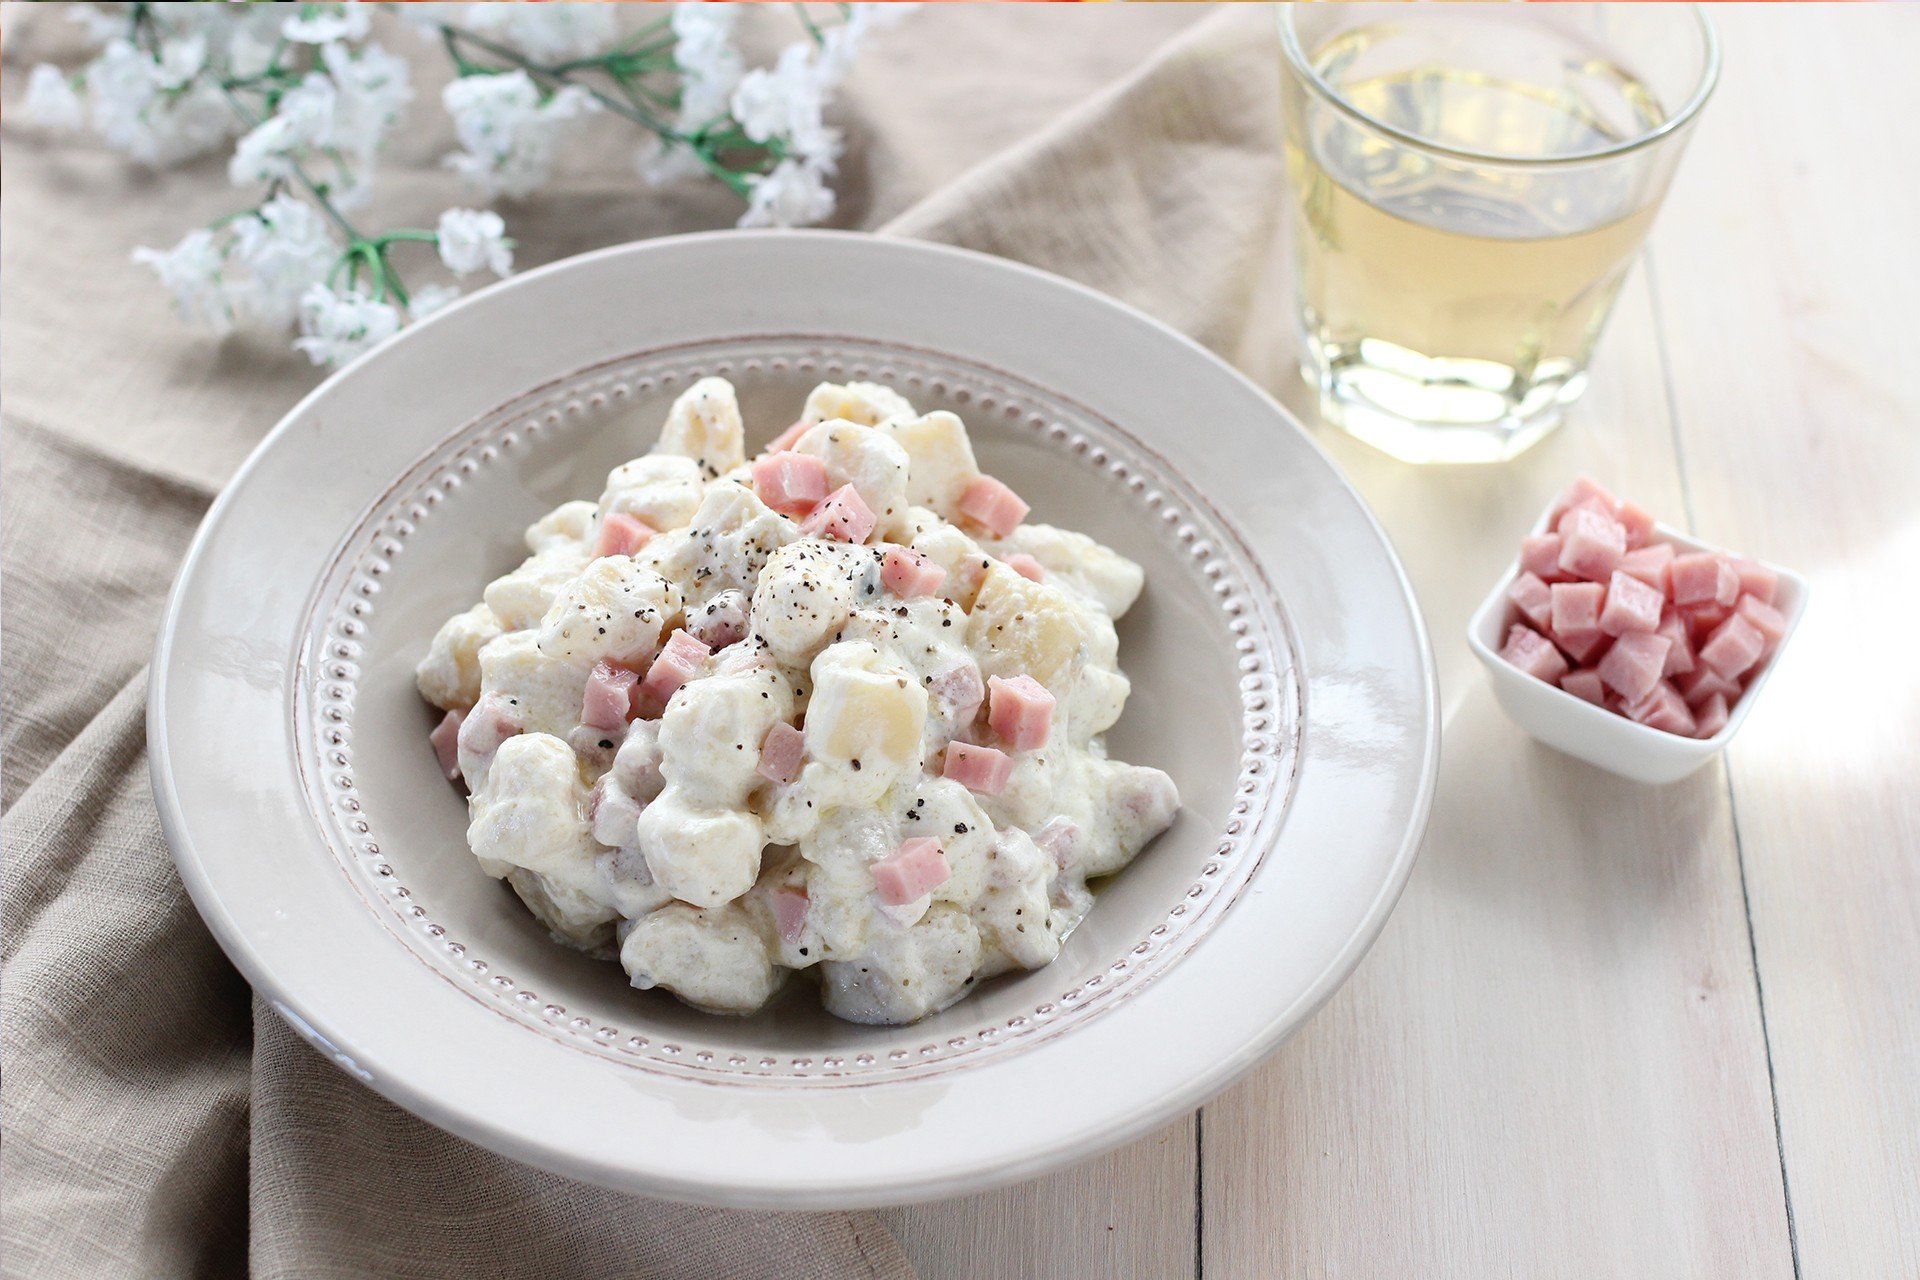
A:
[(665, 846)]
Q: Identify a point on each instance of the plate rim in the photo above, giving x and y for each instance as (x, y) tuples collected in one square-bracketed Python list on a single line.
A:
[(950, 1179)]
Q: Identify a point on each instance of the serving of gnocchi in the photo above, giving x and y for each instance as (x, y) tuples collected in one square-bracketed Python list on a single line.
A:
[(836, 709)]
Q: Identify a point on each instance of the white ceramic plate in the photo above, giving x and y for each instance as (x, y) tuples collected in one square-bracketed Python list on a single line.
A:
[(1280, 674)]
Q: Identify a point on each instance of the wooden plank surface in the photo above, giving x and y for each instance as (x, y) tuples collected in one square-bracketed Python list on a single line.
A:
[(1566, 1053)]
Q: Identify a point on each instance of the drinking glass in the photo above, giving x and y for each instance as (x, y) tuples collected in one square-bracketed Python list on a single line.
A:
[(1471, 184)]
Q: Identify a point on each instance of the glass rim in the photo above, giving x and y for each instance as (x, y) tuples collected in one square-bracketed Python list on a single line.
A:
[(1709, 78)]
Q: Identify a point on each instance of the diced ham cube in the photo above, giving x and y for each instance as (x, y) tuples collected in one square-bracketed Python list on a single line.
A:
[(1756, 579), (1059, 840), (1662, 709), (1020, 711), (781, 753), (1577, 605), (622, 535), (1703, 617), (1767, 620), (990, 504), (1584, 489), (791, 483), (1636, 520), (1026, 566), (1540, 556), (1632, 667), (790, 903), (1534, 654), (680, 660), (608, 703), (915, 869), (1680, 654), (1533, 598), (1591, 544), (1585, 684), (1632, 605), (1710, 717), (958, 691), (1652, 564), (788, 438), (1584, 647), (1703, 682), (1734, 646), (980, 769), (1704, 578), (446, 744), (491, 722), (1598, 506), (843, 516), (908, 573)]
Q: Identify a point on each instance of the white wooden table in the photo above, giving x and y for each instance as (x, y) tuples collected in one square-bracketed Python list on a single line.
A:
[(1618, 1031)]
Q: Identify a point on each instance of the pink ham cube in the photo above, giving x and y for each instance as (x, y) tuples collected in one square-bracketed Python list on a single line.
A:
[(1584, 647), (492, 721), (915, 869), (1704, 578), (1027, 567), (622, 535), (1020, 711), (788, 438), (608, 703), (1652, 564), (990, 504), (789, 903), (1756, 579), (1540, 556), (980, 769), (1532, 653), (1533, 598), (1632, 605), (1703, 682), (781, 753), (1632, 667), (958, 692), (1734, 646), (1767, 620), (843, 516), (1577, 606), (908, 573), (1636, 520), (1703, 617), (1584, 490), (1662, 709), (1680, 654), (446, 744), (1591, 544), (1585, 685), (791, 483), (680, 660), (1710, 717)]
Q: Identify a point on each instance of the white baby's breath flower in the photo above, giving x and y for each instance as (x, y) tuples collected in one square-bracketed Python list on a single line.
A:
[(247, 55), (181, 60), (278, 254), (372, 90), (792, 195), (337, 327), (301, 122), (191, 270), (787, 103), (321, 23), (50, 99), (472, 239), (507, 134), (546, 32), (709, 63), (429, 298), (129, 111)]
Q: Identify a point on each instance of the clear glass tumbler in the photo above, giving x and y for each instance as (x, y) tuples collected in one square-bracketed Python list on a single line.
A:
[(1471, 184)]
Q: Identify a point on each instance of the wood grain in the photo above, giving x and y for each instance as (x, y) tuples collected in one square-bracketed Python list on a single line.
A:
[(1789, 288)]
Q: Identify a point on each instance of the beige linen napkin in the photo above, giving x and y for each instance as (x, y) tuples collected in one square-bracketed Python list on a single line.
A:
[(154, 1119)]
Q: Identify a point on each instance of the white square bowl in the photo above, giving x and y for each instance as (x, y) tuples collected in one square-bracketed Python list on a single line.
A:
[(1595, 734)]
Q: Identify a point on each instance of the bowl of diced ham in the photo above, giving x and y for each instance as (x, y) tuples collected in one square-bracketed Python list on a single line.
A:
[(1620, 640)]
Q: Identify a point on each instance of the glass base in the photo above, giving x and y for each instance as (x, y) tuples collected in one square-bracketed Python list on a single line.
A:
[(1427, 409)]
